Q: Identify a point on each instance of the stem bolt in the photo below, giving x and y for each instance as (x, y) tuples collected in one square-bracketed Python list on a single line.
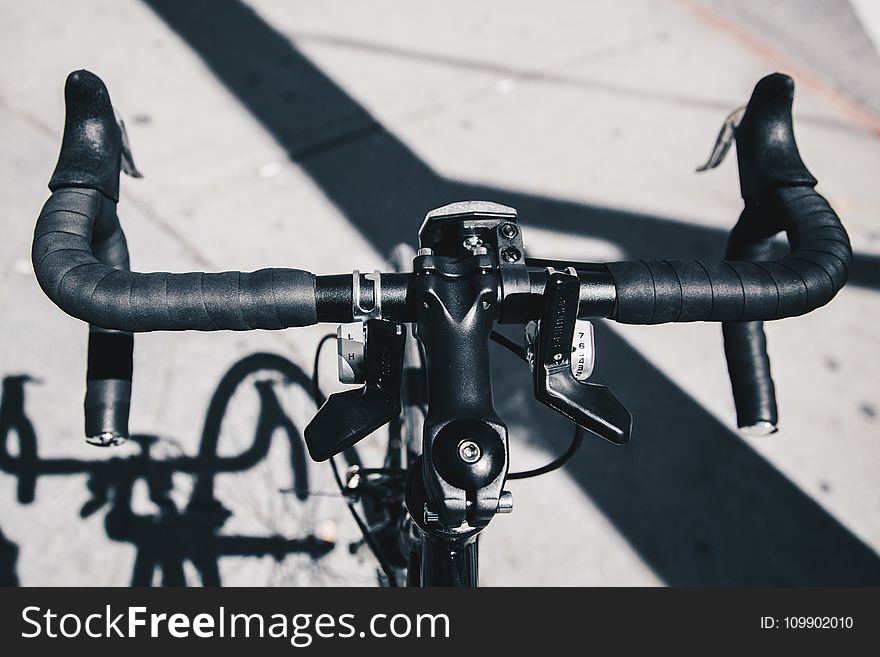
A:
[(472, 242), (510, 254), (509, 231), (469, 451)]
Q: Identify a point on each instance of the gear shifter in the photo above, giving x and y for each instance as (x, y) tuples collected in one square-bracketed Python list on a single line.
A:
[(349, 416), (591, 406)]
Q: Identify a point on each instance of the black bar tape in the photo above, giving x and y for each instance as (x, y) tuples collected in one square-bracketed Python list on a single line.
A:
[(736, 291), (107, 406), (745, 344), (110, 356), (754, 395), (108, 385), (82, 286)]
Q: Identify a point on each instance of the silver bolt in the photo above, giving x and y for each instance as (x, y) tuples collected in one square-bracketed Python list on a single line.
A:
[(469, 451), (472, 242), (509, 231), (510, 254), (557, 357), (425, 252), (505, 502)]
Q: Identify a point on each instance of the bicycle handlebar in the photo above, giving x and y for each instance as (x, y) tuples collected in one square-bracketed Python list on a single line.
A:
[(85, 287), (80, 216), (80, 257), (779, 196), (740, 290)]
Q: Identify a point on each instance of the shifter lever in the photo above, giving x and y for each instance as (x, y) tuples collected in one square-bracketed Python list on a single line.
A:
[(347, 417), (590, 406)]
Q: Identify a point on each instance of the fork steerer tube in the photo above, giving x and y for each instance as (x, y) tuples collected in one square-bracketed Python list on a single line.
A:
[(449, 562)]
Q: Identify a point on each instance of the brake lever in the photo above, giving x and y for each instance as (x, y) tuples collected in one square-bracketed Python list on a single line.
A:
[(724, 140), (126, 159), (348, 417), (591, 406)]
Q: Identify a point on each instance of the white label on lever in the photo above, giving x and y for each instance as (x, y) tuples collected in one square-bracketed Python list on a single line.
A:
[(583, 351), (351, 351)]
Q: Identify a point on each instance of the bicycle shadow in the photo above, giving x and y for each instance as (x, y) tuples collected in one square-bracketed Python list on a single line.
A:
[(165, 540), (697, 503), (8, 558)]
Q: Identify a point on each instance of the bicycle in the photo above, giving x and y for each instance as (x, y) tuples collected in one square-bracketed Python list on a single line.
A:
[(446, 464)]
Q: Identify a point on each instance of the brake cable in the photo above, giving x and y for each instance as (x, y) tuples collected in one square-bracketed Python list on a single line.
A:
[(556, 463), (507, 343), (576, 440)]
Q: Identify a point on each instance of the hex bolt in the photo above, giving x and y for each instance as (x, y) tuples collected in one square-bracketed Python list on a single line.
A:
[(510, 254), (469, 451), (472, 242), (509, 231), (424, 251), (505, 502)]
